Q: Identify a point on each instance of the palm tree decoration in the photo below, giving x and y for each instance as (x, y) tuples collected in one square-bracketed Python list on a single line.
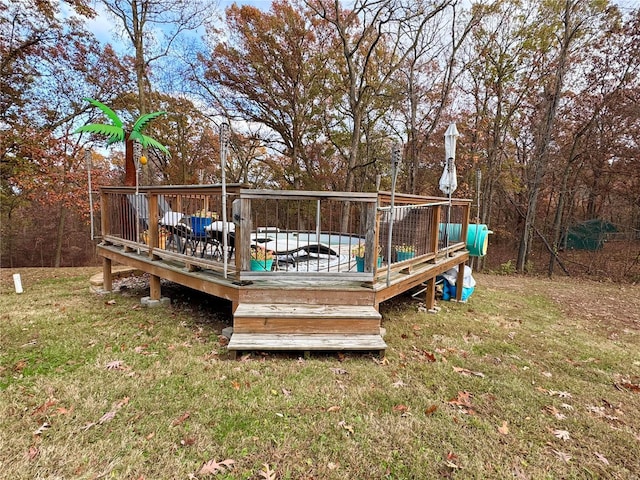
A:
[(116, 132)]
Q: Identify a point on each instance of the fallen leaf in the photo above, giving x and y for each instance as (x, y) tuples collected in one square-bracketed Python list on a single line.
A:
[(559, 394), (561, 434), (504, 429), (107, 417), (44, 407), (110, 302), (235, 385), (333, 408), (463, 402), (121, 403), (339, 371), (150, 436), (565, 457), (187, 442), (32, 453), (87, 426), (20, 365), (63, 410), (463, 399), (180, 419), (430, 356), (451, 456), (267, 473), (400, 408), (555, 412), (601, 458), (468, 372), (431, 410), (114, 365), (285, 392), (398, 384), (212, 467), (42, 428), (630, 386), (348, 428)]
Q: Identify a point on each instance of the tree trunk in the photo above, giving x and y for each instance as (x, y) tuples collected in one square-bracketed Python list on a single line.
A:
[(62, 215), (353, 161), (544, 135), (129, 164)]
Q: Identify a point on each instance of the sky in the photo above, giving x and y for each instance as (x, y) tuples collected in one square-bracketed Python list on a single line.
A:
[(103, 27)]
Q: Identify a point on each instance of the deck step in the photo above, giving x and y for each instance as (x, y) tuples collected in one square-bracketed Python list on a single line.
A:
[(288, 318), (305, 342)]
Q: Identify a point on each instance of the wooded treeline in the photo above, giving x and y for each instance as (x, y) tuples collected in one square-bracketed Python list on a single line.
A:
[(545, 96)]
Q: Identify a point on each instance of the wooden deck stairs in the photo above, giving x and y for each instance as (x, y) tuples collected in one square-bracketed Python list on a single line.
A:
[(303, 327)]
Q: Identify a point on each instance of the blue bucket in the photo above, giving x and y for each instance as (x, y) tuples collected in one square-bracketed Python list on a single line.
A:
[(198, 224)]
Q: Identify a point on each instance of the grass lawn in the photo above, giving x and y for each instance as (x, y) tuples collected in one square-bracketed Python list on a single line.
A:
[(530, 379)]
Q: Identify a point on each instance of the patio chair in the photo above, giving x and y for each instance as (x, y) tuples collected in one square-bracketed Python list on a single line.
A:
[(216, 239), (178, 232), (197, 233)]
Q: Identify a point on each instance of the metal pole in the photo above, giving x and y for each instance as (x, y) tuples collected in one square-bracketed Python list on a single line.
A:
[(477, 236), (395, 160), (449, 164), (137, 153), (318, 220), (224, 139)]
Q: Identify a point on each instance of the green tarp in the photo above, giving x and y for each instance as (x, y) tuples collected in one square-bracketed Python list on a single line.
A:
[(589, 235)]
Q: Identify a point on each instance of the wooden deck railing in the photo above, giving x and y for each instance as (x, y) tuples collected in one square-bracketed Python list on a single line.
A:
[(305, 232), (160, 221), (423, 228)]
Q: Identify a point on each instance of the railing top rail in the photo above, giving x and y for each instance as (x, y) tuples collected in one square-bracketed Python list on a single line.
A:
[(232, 188), (306, 195), (413, 205), (406, 198)]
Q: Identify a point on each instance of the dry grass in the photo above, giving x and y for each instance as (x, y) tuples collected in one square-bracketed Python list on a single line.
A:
[(529, 379)]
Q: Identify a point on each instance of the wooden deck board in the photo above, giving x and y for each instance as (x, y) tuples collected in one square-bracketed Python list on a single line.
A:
[(287, 318), (291, 310), (305, 326), (251, 341)]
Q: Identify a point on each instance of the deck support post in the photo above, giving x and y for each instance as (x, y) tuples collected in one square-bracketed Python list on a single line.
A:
[(107, 276), (154, 287), (460, 282), (430, 299)]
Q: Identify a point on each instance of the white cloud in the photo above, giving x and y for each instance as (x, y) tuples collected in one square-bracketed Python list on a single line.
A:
[(103, 26)]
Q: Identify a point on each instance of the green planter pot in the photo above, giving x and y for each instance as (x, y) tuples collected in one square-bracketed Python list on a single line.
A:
[(402, 256), (360, 263), (261, 265)]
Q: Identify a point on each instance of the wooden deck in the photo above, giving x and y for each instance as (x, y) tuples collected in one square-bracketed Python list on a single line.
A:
[(296, 310)]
